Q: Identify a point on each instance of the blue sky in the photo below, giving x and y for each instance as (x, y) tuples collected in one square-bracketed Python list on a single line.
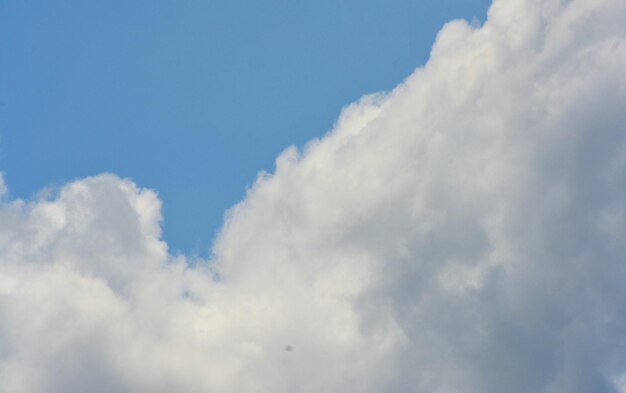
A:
[(192, 98), (462, 233)]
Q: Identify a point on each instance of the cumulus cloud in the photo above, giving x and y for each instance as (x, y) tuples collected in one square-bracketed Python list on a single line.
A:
[(465, 232)]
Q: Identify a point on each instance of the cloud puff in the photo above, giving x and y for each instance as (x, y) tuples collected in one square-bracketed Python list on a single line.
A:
[(465, 232)]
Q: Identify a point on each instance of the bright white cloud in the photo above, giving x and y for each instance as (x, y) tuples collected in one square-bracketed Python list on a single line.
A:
[(465, 232)]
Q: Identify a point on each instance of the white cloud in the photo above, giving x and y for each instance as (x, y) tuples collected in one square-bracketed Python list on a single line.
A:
[(3, 186), (465, 232)]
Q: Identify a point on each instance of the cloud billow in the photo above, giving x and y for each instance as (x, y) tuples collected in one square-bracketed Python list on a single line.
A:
[(465, 232)]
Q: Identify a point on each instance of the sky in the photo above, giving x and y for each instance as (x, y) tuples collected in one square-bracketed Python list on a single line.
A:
[(192, 98), (460, 230)]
